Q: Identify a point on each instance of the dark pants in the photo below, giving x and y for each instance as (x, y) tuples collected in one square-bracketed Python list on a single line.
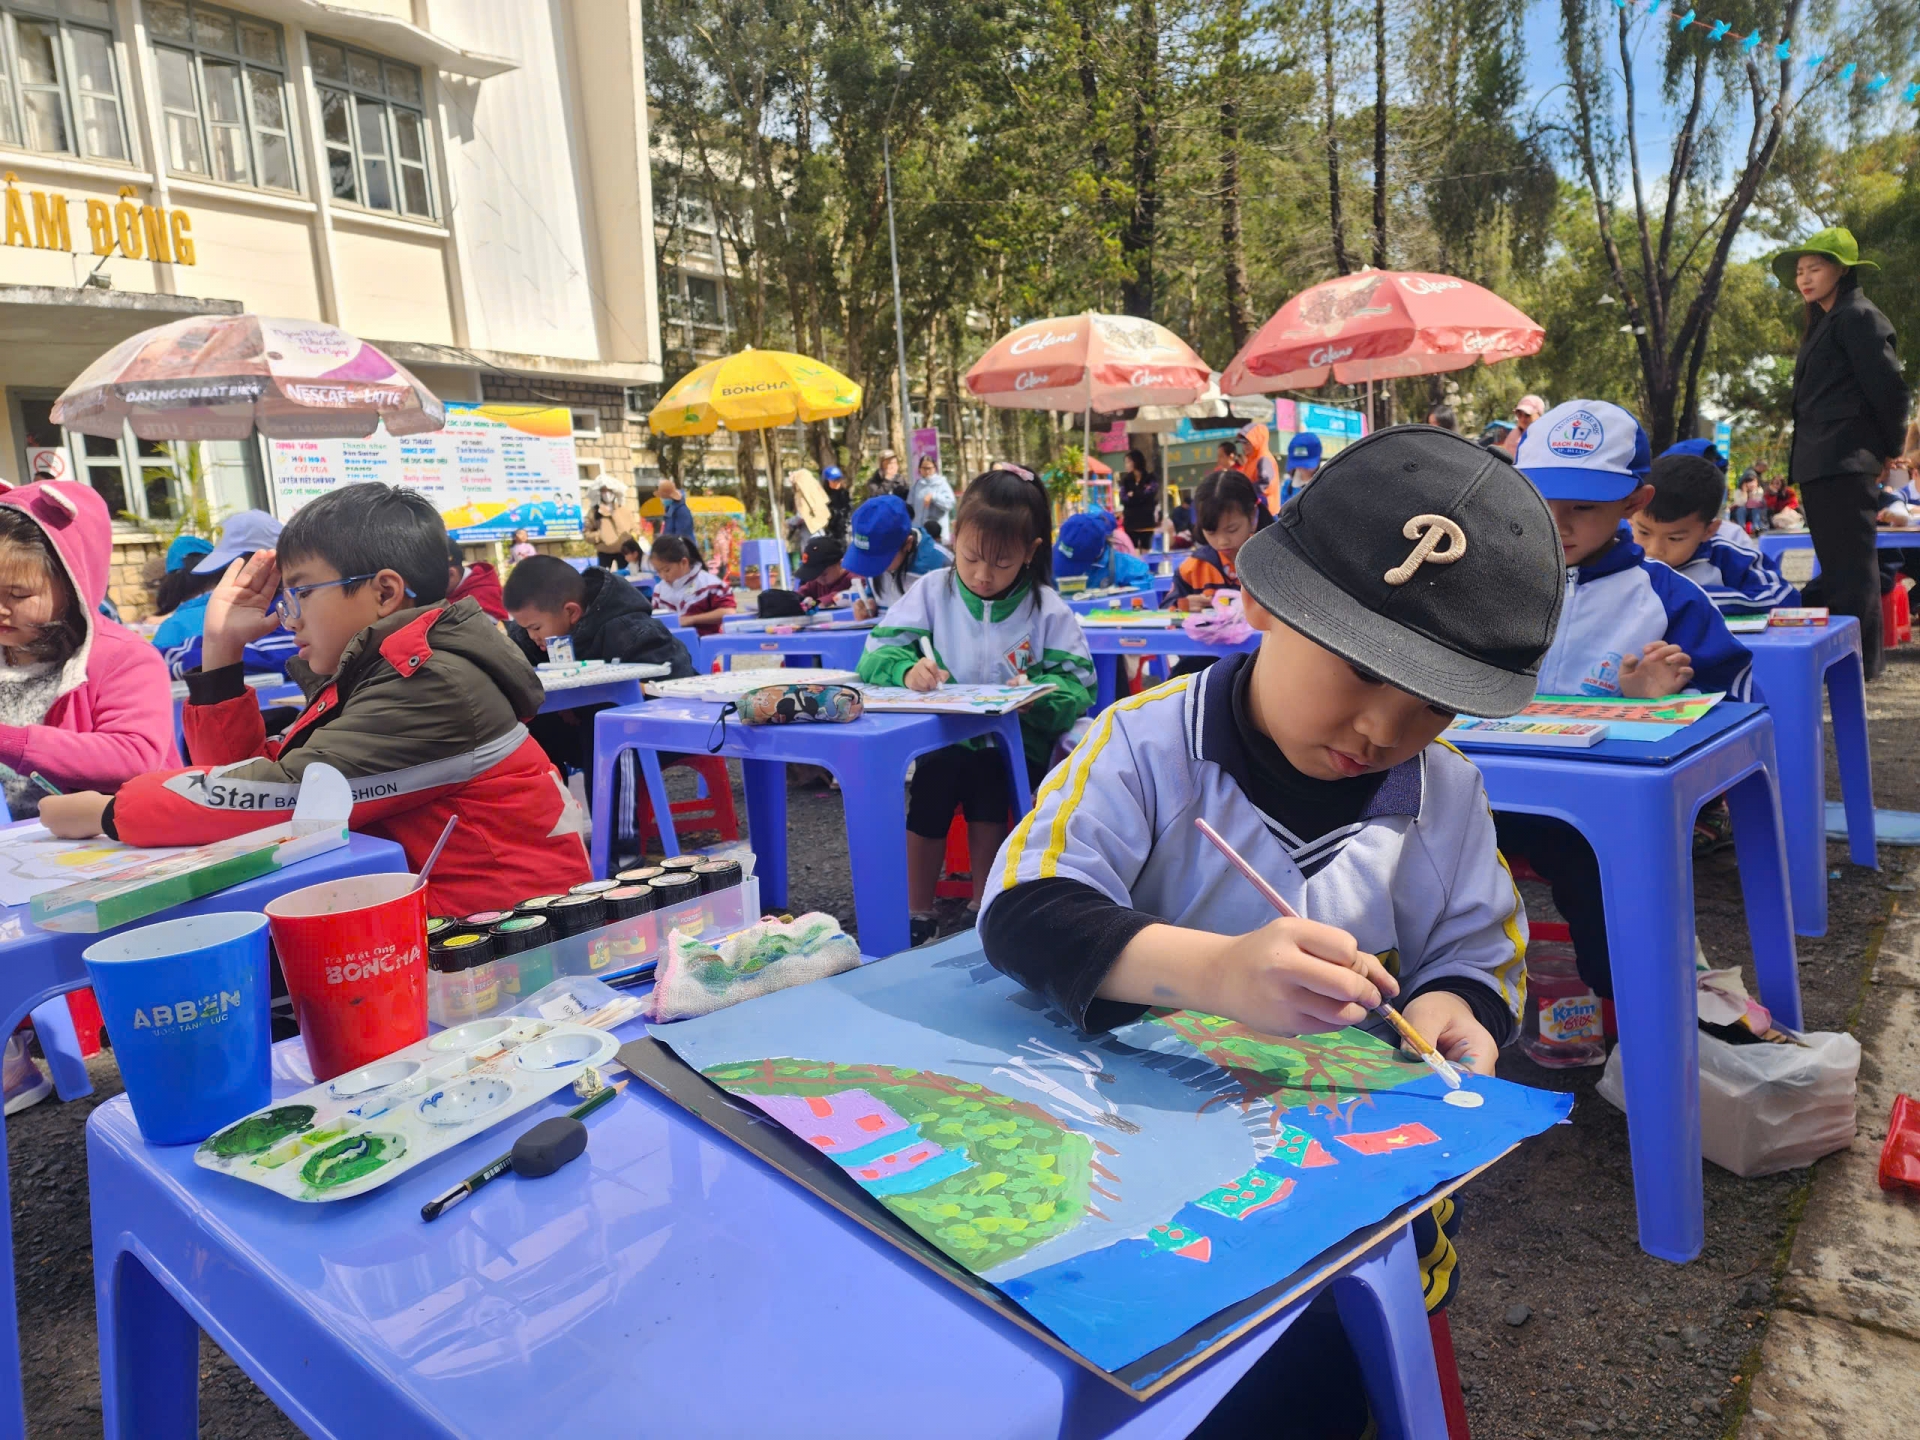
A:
[(1561, 856), (1142, 539), (1840, 511)]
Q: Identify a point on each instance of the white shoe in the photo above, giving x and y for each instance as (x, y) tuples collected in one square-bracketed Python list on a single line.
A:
[(24, 1082)]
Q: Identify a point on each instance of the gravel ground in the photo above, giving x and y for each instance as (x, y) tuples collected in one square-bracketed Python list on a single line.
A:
[(1562, 1325)]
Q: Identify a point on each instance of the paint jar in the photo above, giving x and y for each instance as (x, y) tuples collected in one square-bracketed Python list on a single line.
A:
[(538, 905), (1562, 1027), (626, 901), (717, 875), (594, 887), (675, 888), (482, 920), (513, 940), (462, 981), (641, 875), (439, 925), (677, 864), (577, 914)]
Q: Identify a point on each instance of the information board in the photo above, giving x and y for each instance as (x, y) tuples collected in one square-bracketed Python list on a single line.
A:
[(494, 469)]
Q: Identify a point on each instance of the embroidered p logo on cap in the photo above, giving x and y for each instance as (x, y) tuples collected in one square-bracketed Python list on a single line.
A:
[(1429, 531)]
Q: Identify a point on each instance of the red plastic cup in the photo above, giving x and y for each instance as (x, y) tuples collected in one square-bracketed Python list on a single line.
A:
[(355, 956)]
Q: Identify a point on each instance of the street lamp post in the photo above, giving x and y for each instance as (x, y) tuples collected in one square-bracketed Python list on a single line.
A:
[(893, 247)]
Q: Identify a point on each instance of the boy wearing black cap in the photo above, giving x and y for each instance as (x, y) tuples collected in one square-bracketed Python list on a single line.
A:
[(1417, 578)]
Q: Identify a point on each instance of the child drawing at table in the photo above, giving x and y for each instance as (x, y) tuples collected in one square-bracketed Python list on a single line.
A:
[(991, 618), (1228, 511), (1631, 626), (1680, 525), (1417, 578), (687, 588)]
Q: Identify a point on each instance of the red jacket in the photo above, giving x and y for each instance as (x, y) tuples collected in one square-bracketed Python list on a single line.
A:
[(481, 584), (114, 715), (425, 718)]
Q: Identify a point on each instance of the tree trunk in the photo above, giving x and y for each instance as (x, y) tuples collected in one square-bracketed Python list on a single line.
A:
[(1379, 134), (1340, 261), (1232, 244), (1137, 237)]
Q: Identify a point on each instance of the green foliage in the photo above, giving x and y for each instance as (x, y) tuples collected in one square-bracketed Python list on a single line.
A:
[(1317, 1071), (1029, 1176)]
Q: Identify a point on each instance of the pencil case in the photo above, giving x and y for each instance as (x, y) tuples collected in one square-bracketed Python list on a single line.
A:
[(784, 704)]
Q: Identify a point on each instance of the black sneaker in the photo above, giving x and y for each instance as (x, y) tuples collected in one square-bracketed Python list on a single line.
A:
[(921, 929)]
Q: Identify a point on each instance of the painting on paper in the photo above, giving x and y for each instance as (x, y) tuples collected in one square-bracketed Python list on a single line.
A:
[(1122, 1188)]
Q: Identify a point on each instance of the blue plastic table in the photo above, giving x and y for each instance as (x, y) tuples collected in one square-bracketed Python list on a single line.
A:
[(667, 1283), (602, 685), (1635, 804), (1791, 665), (36, 965), (835, 649), (1109, 642), (1775, 543), (868, 756)]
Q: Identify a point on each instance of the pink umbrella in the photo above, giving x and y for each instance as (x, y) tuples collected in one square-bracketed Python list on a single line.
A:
[(1088, 362), (1379, 325), (221, 377)]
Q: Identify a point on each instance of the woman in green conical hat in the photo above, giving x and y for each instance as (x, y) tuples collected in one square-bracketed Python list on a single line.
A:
[(1849, 416)]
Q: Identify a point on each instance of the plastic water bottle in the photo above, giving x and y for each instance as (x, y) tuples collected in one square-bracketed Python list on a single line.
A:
[(1562, 1028)]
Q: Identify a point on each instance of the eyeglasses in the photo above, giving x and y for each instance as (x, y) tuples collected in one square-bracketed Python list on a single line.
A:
[(287, 604)]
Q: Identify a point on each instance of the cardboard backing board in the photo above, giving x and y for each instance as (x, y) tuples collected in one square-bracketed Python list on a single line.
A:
[(793, 1157)]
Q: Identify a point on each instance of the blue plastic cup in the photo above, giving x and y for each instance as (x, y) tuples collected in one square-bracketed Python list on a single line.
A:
[(186, 1004)]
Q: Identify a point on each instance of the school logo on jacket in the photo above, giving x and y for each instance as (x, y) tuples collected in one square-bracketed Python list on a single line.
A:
[(1020, 658), (1576, 436), (1603, 676)]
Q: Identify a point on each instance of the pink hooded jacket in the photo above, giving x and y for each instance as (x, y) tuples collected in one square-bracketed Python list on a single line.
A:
[(113, 719)]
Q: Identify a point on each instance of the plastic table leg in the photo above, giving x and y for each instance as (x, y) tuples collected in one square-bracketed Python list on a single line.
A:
[(1801, 757), (877, 855), (1762, 851), (1646, 871), (60, 1042), (766, 786), (1106, 675), (1386, 1321), (662, 807), (149, 1353), (1847, 696)]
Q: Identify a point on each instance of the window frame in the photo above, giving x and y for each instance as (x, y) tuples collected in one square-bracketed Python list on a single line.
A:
[(356, 98), (198, 54), (66, 84)]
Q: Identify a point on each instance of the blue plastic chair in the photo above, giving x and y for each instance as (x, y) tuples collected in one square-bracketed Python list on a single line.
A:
[(868, 756), (1635, 804), (769, 557), (496, 1320), (1109, 643), (1790, 666)]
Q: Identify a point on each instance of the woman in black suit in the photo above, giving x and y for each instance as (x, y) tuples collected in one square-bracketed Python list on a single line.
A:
[(1849, 413)]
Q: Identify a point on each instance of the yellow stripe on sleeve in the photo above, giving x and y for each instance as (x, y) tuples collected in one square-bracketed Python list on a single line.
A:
[(1073, 777)]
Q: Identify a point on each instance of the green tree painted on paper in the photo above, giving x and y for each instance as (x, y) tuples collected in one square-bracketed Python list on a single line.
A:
[(1320, 1072), (1030, 1174)]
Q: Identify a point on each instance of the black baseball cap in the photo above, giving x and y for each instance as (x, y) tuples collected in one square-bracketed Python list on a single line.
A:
[(1424, 559)]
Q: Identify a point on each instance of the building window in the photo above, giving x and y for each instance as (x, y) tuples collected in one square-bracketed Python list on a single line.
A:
[(586, 423), (59, 86), (223, 93), (375, 126)]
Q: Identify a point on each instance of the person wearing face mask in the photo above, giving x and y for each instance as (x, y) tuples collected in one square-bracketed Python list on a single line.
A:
[(1849, 412)]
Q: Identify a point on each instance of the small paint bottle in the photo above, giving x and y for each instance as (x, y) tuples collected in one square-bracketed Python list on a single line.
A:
[(675, 889), (461, 981), (485, 919), (577, 914), (539, 904), (520, 945), (717, 875), (594, 887), (626, 901), (641, 875), (675, 864)]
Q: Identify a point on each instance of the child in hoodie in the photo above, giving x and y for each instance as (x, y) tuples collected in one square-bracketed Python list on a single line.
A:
[(83, 700), (422, 705), (1628, 626)]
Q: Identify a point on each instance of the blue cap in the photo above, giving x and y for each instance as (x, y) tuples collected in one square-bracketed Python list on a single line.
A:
[(878, 529), (833, 472), (186, 548), (1303, 451), (243, 534), (1083, 540), (1705, 449), (1585, 450)]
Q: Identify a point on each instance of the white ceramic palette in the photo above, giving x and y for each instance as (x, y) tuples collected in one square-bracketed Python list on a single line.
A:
[(352, 1134)]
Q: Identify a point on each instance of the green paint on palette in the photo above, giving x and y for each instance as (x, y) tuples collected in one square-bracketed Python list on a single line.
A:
[(347, 1160), (259, 1133)]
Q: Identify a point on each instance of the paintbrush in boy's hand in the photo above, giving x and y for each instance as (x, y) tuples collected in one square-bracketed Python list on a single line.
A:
[(1437, 1062)]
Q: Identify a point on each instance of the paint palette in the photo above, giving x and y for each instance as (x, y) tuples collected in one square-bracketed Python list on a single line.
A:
[(354, 1133)]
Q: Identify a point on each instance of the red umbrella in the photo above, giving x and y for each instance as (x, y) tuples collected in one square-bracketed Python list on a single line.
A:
[(1379, 325), (1089, 362), (219, 377)]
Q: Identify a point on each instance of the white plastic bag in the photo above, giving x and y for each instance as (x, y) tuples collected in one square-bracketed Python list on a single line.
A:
[(1767, 1108)]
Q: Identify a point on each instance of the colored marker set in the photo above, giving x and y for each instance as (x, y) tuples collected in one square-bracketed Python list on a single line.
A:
[(348, 1135)]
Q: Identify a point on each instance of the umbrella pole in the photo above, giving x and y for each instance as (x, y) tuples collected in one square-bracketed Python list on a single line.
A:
[(1086, 454), (772, 434)]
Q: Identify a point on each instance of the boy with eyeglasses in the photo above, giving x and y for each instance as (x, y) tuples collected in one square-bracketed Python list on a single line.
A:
[(422, 705)]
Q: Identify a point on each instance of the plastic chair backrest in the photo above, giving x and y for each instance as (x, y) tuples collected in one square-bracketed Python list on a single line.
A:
[(769, 557)]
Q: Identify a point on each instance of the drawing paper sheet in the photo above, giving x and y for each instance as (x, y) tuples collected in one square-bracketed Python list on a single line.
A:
[(953, 699), (1643, 720), (1131, 619), (732, 684), (32, 862), (1122, 1188)]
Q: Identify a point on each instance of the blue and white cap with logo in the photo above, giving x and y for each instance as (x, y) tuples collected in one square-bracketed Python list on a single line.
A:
[(1585, 450), (1303, 451), (876, 532), (1083, 540)]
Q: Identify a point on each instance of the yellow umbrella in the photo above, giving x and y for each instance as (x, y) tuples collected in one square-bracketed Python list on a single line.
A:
[(755, 390)]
